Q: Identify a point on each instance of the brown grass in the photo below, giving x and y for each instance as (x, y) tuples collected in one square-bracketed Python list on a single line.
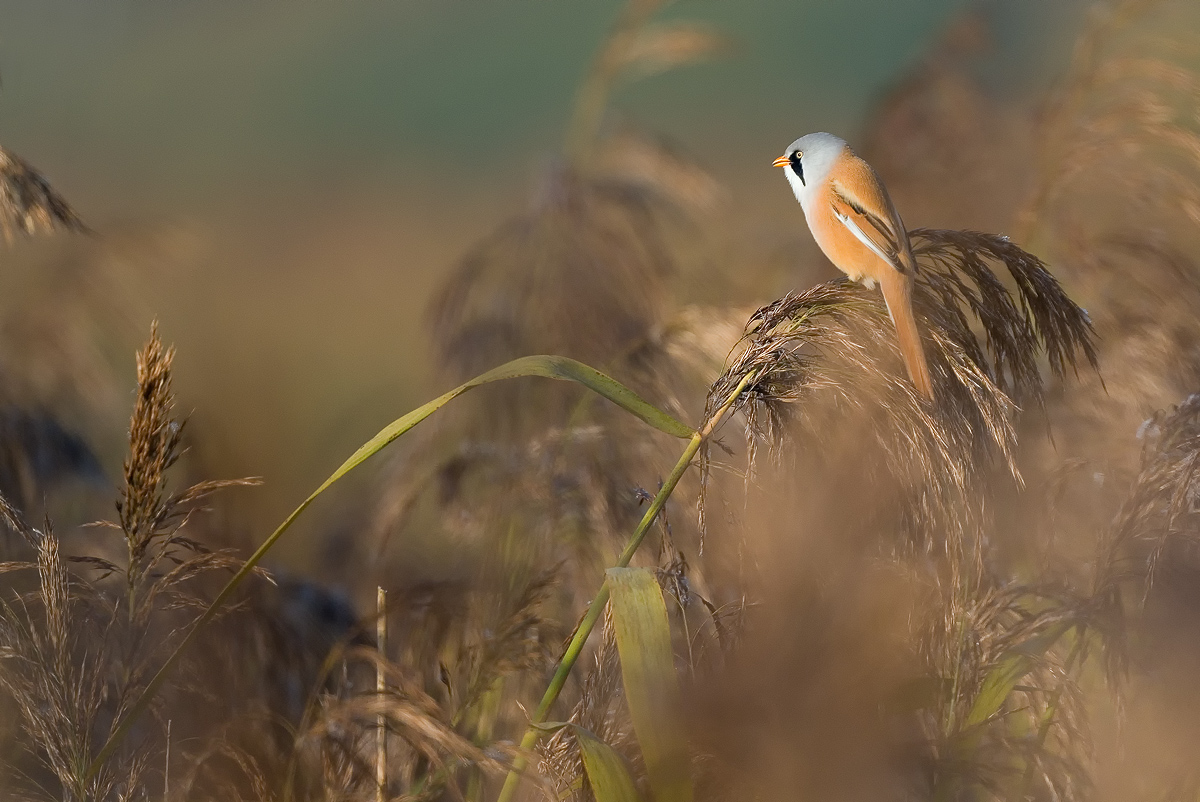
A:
[(907, 600)]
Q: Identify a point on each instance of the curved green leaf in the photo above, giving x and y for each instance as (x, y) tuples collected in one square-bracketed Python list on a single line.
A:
[(607, 772), (549, 367), (648, 673)]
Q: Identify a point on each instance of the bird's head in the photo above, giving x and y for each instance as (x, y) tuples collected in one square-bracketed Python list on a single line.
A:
[(808, 160)]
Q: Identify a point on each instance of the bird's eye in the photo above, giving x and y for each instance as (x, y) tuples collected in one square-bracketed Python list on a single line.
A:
[(799, 155)]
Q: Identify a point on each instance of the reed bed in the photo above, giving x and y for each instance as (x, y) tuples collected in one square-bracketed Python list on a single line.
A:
[(722, 553)]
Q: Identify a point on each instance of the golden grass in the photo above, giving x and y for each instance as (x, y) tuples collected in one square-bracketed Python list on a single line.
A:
[(865, 614)]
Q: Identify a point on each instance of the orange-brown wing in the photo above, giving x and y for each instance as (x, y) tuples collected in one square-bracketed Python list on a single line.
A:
[(862, 205)]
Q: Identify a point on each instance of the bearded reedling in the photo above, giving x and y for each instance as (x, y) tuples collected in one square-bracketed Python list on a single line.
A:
[(855, 224)]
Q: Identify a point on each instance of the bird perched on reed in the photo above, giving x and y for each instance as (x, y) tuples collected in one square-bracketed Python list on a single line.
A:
[(855, 224)]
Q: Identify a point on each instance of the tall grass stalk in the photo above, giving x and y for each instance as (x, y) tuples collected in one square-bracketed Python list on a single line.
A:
[(593, 96), (596, 608), (633, 48)]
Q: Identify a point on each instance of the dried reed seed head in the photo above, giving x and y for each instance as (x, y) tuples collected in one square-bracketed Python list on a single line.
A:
[(415, 720), (517, 642), (1011, 627), (825, 362), (81, 662), (658, 168), (954, 287), (339, 731), (820, 354), (567, 490), (28, 204), (1120, 97), (56, 672), (661, 47), (1117, 203), (565, 476), (582, 275), (147, 514), (1038, 318), (1159, 521), (154, 440), (1163, 502), (208, 776), (827, 379)]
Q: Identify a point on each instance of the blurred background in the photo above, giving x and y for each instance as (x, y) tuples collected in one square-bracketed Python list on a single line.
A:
[(338, 210), (285, 187)]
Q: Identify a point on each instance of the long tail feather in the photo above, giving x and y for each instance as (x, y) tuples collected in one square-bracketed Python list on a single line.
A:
[(897, 294)]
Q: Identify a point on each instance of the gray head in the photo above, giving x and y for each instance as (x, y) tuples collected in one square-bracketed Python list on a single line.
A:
[(808, 160)]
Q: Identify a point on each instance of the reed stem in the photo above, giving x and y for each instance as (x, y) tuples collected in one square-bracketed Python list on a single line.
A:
[(596, 608)]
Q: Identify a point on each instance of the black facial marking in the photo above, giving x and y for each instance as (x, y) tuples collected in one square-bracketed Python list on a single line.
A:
[(797, 166)]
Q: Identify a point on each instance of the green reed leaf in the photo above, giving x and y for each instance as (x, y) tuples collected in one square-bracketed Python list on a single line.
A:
[(607, 772), (1003, 678), (648, 672), (549, 367)]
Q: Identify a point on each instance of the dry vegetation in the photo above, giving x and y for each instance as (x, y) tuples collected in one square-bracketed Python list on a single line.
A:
[(840, 590)]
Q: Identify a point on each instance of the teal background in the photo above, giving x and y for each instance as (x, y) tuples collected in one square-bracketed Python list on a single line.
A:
[(284, 183), (132, 102)]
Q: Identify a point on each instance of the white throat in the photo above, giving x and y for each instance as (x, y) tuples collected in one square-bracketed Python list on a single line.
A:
[(798, 187)]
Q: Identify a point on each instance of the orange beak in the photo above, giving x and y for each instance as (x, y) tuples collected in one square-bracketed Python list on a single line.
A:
[(782, 161)]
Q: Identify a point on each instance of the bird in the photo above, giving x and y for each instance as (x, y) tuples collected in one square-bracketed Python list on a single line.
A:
[(856, 225)]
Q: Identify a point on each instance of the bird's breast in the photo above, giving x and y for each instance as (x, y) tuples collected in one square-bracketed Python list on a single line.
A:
[(836, 241)]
